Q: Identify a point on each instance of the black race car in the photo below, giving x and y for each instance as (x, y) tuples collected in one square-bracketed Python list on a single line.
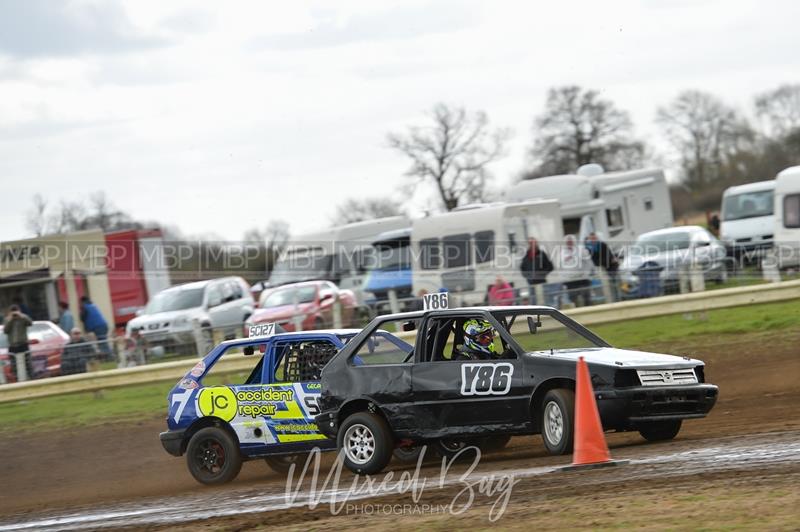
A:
[(480, 375)]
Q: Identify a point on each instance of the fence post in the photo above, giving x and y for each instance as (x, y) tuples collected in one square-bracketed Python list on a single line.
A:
[(683, 279), (608, 293), (337, 312), (297, 319), (3, 372), (200, 340), (394, 304), (769, 268), (696, 277), (22, 370), (538, 291)]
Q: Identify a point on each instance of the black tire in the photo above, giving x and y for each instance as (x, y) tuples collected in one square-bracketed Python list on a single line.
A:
[(409, 454), (283, 462), (450, 447), (365, 442), (213, 456), (557, 420), (660, 430), (494, 443)]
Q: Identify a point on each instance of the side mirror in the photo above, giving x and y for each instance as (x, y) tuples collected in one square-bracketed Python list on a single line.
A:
[(248, 350), (409, 326), (326, 296), (533, 325)]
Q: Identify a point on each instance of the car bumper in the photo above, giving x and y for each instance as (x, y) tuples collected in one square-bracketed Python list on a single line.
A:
[(172, 441), (327, 424), (625, 408)]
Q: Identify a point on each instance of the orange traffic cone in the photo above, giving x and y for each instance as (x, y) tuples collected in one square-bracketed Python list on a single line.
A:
[(590, 449)]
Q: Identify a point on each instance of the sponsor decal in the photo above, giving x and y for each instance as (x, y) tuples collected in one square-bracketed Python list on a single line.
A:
[(486, 379), (226, 404), (198, 369), (218, 401), (188, 384)]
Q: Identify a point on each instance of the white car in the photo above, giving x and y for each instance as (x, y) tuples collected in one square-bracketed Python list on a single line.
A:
[(168, 319), (670, 251)]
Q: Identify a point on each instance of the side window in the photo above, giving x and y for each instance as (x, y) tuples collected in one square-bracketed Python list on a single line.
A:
[(429, 254), (484, 246), (236, 290), (648, 204), (214, 295), (457, 250), (383, 347), (446, 339), (615, 221), (218, 374), (302, 361), (791, 211)]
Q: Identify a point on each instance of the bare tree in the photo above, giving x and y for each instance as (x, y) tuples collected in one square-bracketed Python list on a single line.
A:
[(452, 153), (357, 210), (780, 109), (706, 133), (273, 236), (37, 220), (579, 127)]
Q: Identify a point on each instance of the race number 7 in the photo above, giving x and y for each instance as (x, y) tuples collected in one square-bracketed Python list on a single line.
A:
[(437, 301), (486, 379)]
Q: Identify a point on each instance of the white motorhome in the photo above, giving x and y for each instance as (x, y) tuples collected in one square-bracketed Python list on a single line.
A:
[(618, 206), (787, 217), (747, 219), (464, 250), (339, 254)]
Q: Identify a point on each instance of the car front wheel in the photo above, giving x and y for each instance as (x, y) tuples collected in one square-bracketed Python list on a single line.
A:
[(660, 430), (366, 443), (213, 456), (557, 421)]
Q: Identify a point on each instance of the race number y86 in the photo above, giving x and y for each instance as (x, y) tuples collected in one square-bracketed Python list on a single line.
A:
[(486, 379), (437, 301)]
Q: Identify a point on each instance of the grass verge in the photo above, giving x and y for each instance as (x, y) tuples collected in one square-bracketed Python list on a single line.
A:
[(149, 401)]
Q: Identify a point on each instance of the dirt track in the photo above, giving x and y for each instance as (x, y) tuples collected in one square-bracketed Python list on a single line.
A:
[(759, 392)]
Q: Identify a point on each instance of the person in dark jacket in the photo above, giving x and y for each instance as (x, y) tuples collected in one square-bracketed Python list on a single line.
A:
[(535, 267), (94, 322), (76, 354), (15, 328), (603, 257)]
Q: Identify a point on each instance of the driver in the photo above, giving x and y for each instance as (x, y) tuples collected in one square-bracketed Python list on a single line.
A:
[(479, 340)]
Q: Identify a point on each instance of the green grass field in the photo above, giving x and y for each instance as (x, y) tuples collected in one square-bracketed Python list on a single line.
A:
[(149, 401)]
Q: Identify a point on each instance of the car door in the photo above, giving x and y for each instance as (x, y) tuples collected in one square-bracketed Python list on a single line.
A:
[(215, 304), (452, 390)]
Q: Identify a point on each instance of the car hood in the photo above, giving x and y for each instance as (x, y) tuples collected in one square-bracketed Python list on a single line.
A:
[(622, 358), (163, 317), (281, 312), (666, 259)]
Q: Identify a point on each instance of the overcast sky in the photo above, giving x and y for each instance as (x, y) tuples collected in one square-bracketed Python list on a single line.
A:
[(218, 116)]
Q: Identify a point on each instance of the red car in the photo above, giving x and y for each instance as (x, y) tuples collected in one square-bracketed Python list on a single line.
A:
[(312, 301), (46, 341)]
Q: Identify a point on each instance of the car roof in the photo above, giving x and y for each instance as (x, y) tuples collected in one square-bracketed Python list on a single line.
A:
[(750, 187), (465, 310)]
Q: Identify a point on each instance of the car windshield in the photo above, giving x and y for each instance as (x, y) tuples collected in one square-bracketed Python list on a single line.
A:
[(391, 255), (290, 296), (552, 334), (301, 265), (747, 205), (171, 300), (660, 242)]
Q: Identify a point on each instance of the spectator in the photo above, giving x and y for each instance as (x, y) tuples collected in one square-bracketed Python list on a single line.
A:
[(501, 293), (95, 323), (535, 267), (77, 353), (576, 269), (65, 320), (603, 257), (135, 349), (23, 308), (16, 329)]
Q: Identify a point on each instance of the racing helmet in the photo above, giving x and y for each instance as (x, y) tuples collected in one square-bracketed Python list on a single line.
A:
[(479, 337)]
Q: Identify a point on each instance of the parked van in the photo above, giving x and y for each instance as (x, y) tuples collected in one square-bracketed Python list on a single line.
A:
[(747, 219), (340, 254), (787, 217), (390, 269), (464, 250), (618, 206)]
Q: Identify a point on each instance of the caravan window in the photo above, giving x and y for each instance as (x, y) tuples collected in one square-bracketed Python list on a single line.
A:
[(484, 246), (429, 253), (615, 221), (457, 250), (791, 211)]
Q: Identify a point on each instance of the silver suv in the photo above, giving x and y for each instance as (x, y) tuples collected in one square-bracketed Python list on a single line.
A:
[(168, 319)]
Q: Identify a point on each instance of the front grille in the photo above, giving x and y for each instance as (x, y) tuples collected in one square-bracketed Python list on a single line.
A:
[(743, 240), (667, 377)]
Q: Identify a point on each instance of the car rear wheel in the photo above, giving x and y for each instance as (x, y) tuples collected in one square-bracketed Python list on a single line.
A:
[(660, 430), (366, 443), (557, 420), (213, 456), (282, 463)]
